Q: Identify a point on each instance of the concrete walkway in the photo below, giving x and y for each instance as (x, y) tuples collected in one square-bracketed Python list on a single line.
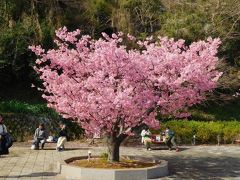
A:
[(198, 162)]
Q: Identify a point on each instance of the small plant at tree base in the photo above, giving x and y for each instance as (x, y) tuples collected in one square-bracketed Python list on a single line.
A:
[(104, 156), (113, 89)]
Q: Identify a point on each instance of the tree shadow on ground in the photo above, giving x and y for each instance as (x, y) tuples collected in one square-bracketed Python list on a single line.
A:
[(69, 149), (166, 148), (186, 167), (32, 175)]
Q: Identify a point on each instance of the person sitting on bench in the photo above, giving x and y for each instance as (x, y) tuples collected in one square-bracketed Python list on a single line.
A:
[(3, 132), (146, 138), (40, 136)]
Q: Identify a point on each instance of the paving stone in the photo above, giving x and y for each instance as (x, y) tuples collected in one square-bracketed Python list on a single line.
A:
[(193, 162)]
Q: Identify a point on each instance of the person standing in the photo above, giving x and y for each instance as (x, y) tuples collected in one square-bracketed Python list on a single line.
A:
[(40, 136), (170, 139), (3, 133), (62, 137)]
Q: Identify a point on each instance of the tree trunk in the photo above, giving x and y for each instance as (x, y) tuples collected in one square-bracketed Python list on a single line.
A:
[(114, 147), (114, 152)]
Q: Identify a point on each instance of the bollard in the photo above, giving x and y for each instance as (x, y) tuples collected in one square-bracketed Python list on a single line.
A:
[(194, 139), (218, 139), (89, 155)]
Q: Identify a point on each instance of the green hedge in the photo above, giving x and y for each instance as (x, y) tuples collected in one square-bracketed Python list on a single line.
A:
[(205, 132)]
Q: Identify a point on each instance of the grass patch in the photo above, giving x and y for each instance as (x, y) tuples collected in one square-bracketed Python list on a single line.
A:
[(18, 107)]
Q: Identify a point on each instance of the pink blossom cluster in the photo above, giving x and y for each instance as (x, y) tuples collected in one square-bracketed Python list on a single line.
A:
[(103, 84)]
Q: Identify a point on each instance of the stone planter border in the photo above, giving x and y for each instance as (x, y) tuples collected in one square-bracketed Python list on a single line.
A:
[(81, 173)]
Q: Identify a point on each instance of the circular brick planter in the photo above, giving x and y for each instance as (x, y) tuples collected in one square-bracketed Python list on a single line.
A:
[(74, 172)]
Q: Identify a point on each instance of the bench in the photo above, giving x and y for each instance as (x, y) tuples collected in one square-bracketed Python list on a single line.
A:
[(47, 142), (237, 141), (31, 141), (155, 139)]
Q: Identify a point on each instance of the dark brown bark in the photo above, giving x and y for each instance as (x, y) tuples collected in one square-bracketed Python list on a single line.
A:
[(114, 152), (115, 139), (114, 147)]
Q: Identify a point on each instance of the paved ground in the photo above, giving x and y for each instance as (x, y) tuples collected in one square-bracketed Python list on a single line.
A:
[(198, 162)]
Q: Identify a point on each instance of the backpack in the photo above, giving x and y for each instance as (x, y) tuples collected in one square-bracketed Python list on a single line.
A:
[(8, 138), (171, 133)]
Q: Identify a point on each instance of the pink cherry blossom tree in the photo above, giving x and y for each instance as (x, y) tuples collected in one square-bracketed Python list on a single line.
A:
[(113, 89)]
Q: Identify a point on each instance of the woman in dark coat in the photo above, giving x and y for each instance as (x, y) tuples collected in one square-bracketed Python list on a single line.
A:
[(62, 137), (3, 132)]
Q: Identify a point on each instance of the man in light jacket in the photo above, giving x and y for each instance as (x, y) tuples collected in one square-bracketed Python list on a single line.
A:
[(40, 136)]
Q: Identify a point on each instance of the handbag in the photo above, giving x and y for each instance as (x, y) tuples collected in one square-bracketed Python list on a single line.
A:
[(33, 147)]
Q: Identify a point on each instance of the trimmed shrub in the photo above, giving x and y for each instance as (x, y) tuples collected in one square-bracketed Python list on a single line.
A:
[(205, 132), (231, 131)]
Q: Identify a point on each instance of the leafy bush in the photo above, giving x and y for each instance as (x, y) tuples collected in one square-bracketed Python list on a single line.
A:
[(231, 131), (22, 107), (205, 132)]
